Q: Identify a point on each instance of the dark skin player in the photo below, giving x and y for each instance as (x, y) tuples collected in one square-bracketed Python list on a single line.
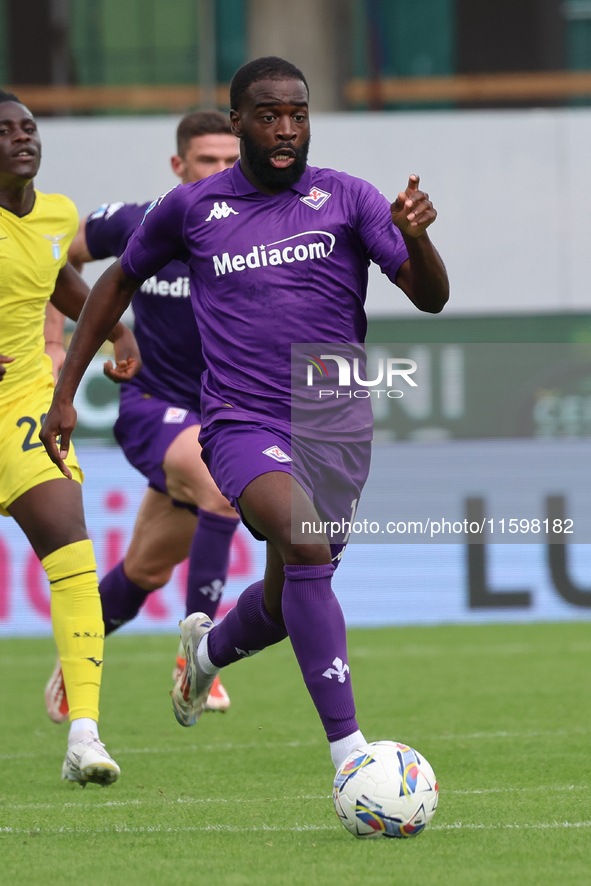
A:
[(273, 126), (35, 511)]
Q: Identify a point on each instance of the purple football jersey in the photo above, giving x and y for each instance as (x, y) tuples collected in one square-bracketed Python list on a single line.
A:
[(165, 325), (267, 271)]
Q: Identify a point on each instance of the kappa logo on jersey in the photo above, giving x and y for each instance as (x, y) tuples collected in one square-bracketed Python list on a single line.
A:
[(174, 415), (222, 211), (277, 453), (316, 198), (55, 244), (106, 210), (277, 253)]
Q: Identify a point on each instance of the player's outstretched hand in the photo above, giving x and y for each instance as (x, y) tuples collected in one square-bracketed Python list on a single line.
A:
[(412, 211), (127, 356), (56, 432), (4, 360)]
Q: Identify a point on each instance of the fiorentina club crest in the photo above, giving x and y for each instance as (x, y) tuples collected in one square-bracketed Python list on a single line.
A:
[(316, 198), (277, 453), (174, 415)]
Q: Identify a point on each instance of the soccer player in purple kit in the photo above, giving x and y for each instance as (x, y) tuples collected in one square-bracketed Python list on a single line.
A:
[(278, 252), (159, 418)]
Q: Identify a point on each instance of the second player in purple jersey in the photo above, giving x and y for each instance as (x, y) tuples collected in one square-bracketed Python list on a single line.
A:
[(159, 418), (164, 325)]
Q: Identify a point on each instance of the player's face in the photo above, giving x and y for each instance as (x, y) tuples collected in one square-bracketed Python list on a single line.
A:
[(20, 146), (205, 155), (274, 128)]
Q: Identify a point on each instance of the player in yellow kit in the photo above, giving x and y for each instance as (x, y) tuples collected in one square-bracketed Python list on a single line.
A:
[(35, 233)]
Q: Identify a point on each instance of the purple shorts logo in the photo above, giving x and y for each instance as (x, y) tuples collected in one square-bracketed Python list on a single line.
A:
[(277, 453), (174, 415)]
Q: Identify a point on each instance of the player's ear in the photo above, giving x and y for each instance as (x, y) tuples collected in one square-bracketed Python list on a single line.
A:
[(236, 123), (179, 166)]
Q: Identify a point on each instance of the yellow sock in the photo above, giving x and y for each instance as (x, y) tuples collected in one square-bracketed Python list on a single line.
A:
[(78, 628)]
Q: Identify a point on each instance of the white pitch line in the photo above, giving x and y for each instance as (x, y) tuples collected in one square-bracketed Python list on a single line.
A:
[(475, 736), (231, 746), (501, 733), (69, 805), (568, 787), (523, 826), (156, 829), (221, 746), (190, 801), (162, 800)]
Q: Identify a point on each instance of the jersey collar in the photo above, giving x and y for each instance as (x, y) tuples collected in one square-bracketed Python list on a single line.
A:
[(242, 185)]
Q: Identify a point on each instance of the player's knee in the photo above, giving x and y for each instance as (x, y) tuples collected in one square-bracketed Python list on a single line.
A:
[(147, 576), (181, 490), (217, 504), (307, 554)]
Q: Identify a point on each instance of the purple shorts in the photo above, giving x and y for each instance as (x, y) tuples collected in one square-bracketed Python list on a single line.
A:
[(332, 474), (145, 429)]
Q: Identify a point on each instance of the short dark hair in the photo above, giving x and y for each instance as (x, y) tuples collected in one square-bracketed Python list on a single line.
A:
[(200, 123), (9, 97), (269, 67)]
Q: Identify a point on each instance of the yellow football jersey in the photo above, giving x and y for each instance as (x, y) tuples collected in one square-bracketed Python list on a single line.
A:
[(33, 249)]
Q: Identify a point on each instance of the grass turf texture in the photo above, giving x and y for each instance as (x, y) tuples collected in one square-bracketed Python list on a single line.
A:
[(501, 712)]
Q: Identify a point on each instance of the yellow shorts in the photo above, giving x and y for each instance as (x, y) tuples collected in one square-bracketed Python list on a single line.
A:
[(24, 462)]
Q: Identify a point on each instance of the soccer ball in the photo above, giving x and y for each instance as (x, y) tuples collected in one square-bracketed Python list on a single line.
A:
[(385, 789)]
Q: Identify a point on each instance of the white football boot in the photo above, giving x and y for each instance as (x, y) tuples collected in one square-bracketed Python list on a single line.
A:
[(192, 688), (88, 761), (218, 698)]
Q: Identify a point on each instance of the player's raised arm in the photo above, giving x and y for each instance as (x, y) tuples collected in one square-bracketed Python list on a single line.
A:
[(423, 276), (106, 303)]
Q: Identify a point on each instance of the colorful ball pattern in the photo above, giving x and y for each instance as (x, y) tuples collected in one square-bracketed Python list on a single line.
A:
[(385, 789)]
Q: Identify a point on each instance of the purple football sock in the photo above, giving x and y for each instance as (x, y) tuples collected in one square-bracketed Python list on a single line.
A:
[(121, 598), (208, 562), (246, 629), (316, 628)]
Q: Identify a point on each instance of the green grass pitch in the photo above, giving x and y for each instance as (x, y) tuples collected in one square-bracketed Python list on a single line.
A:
[(501, 712)]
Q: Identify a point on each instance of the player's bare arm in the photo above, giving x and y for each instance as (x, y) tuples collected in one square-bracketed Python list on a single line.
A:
[(423, 276), (78, 253), (53, 332), (104, 306), (71, 291), (78, 256)]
